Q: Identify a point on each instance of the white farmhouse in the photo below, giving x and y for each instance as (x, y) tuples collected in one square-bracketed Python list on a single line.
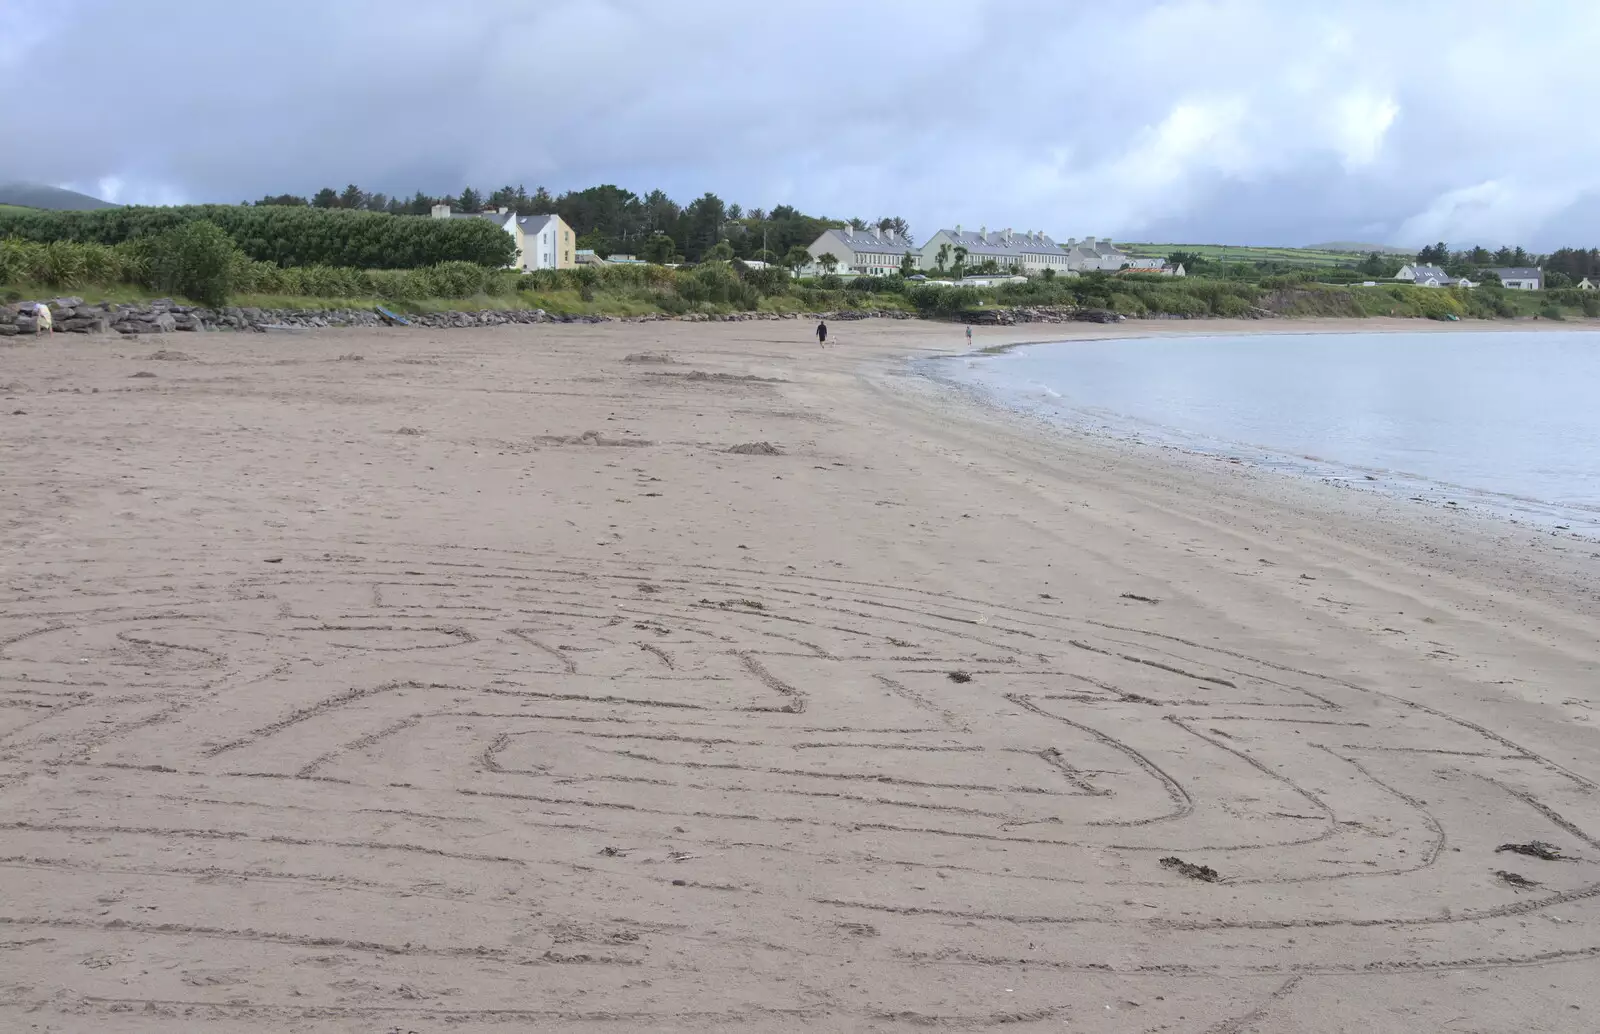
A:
[(1430, 276), (867, 252), (543, 241), (1520, 278), (1031, 252)]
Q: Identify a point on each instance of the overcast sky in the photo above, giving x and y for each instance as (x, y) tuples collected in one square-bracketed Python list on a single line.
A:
[(1236, 121)]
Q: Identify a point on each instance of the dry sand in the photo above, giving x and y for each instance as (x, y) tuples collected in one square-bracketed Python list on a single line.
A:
[(476, 684)]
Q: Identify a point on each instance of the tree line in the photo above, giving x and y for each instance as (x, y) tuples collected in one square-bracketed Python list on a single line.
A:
[(611, 220), (286, 236)]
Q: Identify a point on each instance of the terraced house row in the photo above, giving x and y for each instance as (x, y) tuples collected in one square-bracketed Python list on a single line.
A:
[(875, 252)]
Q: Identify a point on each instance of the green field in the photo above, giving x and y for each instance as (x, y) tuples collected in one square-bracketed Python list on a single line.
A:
[(1245, 253)]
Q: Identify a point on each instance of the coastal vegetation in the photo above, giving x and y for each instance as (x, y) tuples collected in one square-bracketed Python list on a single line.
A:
[(352, 248), (196, 261), (285, 236)]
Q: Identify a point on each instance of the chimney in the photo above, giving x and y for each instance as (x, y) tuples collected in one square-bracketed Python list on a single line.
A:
[(983, 234), (847, 231), (441, 211), (958, 229), (1072, 242), (888, 235), (502, 210), (1088, 242)]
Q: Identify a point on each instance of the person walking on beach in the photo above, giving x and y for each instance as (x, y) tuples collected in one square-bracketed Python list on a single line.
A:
[(822, 333), (969, 337)]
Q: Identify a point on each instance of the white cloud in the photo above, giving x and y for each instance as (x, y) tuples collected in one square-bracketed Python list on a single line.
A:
[(1188, 115)]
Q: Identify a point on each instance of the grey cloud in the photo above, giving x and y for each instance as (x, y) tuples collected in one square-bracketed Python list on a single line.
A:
[(1231, 120)]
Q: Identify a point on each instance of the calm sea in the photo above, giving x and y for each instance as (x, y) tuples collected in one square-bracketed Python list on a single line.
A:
[(1508, 422)]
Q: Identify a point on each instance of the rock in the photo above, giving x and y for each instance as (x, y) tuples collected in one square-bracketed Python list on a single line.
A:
[(26, 325), (8, 330), (85, 325), (66, 303)]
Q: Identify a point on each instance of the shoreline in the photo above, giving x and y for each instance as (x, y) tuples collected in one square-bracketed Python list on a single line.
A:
[(1395, 484), (697, 678)]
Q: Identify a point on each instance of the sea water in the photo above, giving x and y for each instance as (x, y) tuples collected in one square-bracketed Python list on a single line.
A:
[(1505, 421)]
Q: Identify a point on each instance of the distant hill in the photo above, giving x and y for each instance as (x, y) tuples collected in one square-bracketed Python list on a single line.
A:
[(1365, 249), (35, 195)]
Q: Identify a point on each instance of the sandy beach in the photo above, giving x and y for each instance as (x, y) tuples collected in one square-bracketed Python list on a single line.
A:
[(691, 677)]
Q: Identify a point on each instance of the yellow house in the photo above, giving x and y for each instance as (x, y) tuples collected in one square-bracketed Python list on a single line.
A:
[(543, 241)]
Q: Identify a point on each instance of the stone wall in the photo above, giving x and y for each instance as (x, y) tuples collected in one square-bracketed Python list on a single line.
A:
[(73, 315)]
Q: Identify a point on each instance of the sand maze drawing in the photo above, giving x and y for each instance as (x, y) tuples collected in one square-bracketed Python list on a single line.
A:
[(572, 774)]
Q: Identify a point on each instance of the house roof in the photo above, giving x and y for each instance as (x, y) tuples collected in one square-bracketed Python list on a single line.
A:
[(1424, 272), (1517, 272), (534, 223), (870, 239), (1003, 243)]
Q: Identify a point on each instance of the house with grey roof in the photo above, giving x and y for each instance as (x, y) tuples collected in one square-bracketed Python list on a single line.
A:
[(1031, 251), (1095, 253), (869, 252), (543, 241), (1519, 278), (1430, 276)]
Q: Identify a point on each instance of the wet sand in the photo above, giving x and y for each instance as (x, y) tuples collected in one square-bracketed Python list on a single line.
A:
[(381, 681)]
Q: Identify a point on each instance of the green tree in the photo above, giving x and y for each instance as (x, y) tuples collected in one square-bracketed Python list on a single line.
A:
[(828, 261), (1556, 280), (958, 268), (908, 264), (659, 249), (706, 218), (325, 198), (287, 200), (721, 251), (471, 201), (942, 256), (796, 258), (196, 260), (353, 197), (901, 228)]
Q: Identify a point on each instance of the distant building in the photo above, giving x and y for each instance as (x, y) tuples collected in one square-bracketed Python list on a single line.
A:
[(1520, 278), (868, 252), (543, 241), (1428, 276), (1093, 253), (1031, 252), (1589, 284)]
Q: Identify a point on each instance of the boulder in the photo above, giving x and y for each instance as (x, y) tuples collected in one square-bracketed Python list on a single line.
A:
[(8, 330), (85, 324)]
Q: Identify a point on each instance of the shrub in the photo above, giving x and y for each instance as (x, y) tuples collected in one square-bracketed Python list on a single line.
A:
[(285, 235), (194, 259)]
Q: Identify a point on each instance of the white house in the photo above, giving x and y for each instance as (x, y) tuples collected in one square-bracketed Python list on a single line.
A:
[(1032, 252), (1431, 276), (870, 252), (1092, 253), (1589, 283), (543, 241), (1520, 278)]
